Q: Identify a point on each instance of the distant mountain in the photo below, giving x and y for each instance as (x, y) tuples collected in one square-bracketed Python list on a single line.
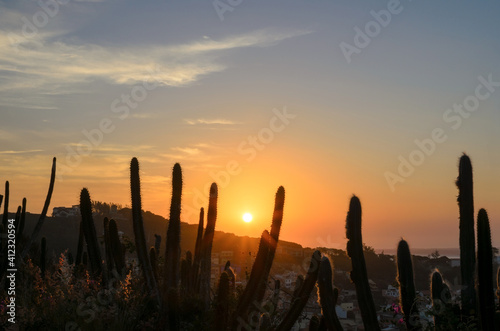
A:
[(62, 233)]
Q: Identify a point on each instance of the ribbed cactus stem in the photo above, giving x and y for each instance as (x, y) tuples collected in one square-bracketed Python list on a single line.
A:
[(116, 247), (22, 220), (195, 270), (485, 272), (327, 297), (90, 233), (157, 242), (85, 259), (222, 304), (441, 299), (173, 241), (279, 203), (359, 274), (256, 277), (407, 286), (303, 295), (43, 253), (110, 264), (140, 240), (467, 241), (5, 217), (205, 263)]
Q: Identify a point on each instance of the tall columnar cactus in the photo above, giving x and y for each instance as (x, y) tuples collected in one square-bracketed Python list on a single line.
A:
[(90, 233), (303, 295), (485, 272), (206, 249), (279, 203), (222, 304), (22, 220), (173, 241), (327, 295), (359, 274), (467, 245), (110, 264), (43, 253), (157, 242), (41, 219), (140, 241), (79, 248), (249, 294), (407, 286), (116, 247), (441, 301), (5, 217), (195, 270)]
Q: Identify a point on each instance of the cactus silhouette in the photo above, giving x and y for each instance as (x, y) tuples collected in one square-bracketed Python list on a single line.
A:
[(279, 203), (359, 274), (327, 295), (22, 220), (157, 242), (173, 249), (249, 294), (303, 295), (407, 286), (116, 247), (140, 241), (441, 301), (222, 304), (206, 249), (485, 272), (5, 217), (110, 264), (467, 245), (93, 250), (195, 270)]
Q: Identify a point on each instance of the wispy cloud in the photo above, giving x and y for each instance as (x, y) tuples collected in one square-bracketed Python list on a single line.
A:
[(21, 152), (52, 62), (214, 121), (187, 150)]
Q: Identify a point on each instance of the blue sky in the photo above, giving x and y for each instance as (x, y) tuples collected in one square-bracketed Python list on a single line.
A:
[(214, 82)]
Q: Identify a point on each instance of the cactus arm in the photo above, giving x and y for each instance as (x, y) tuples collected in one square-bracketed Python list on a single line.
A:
[(407, 286), (327, 296)]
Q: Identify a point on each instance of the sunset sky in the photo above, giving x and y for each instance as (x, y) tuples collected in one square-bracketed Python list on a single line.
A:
[(326, 98)]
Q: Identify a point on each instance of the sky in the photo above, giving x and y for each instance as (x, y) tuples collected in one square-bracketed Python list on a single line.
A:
[(326, 98)]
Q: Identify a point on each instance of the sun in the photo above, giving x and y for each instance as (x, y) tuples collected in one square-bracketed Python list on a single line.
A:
[(247, 217)]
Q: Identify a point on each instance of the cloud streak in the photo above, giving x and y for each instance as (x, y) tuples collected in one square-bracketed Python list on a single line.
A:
[(49, 64)]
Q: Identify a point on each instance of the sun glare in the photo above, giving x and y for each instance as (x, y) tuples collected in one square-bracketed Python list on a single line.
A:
[(247, 217)]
